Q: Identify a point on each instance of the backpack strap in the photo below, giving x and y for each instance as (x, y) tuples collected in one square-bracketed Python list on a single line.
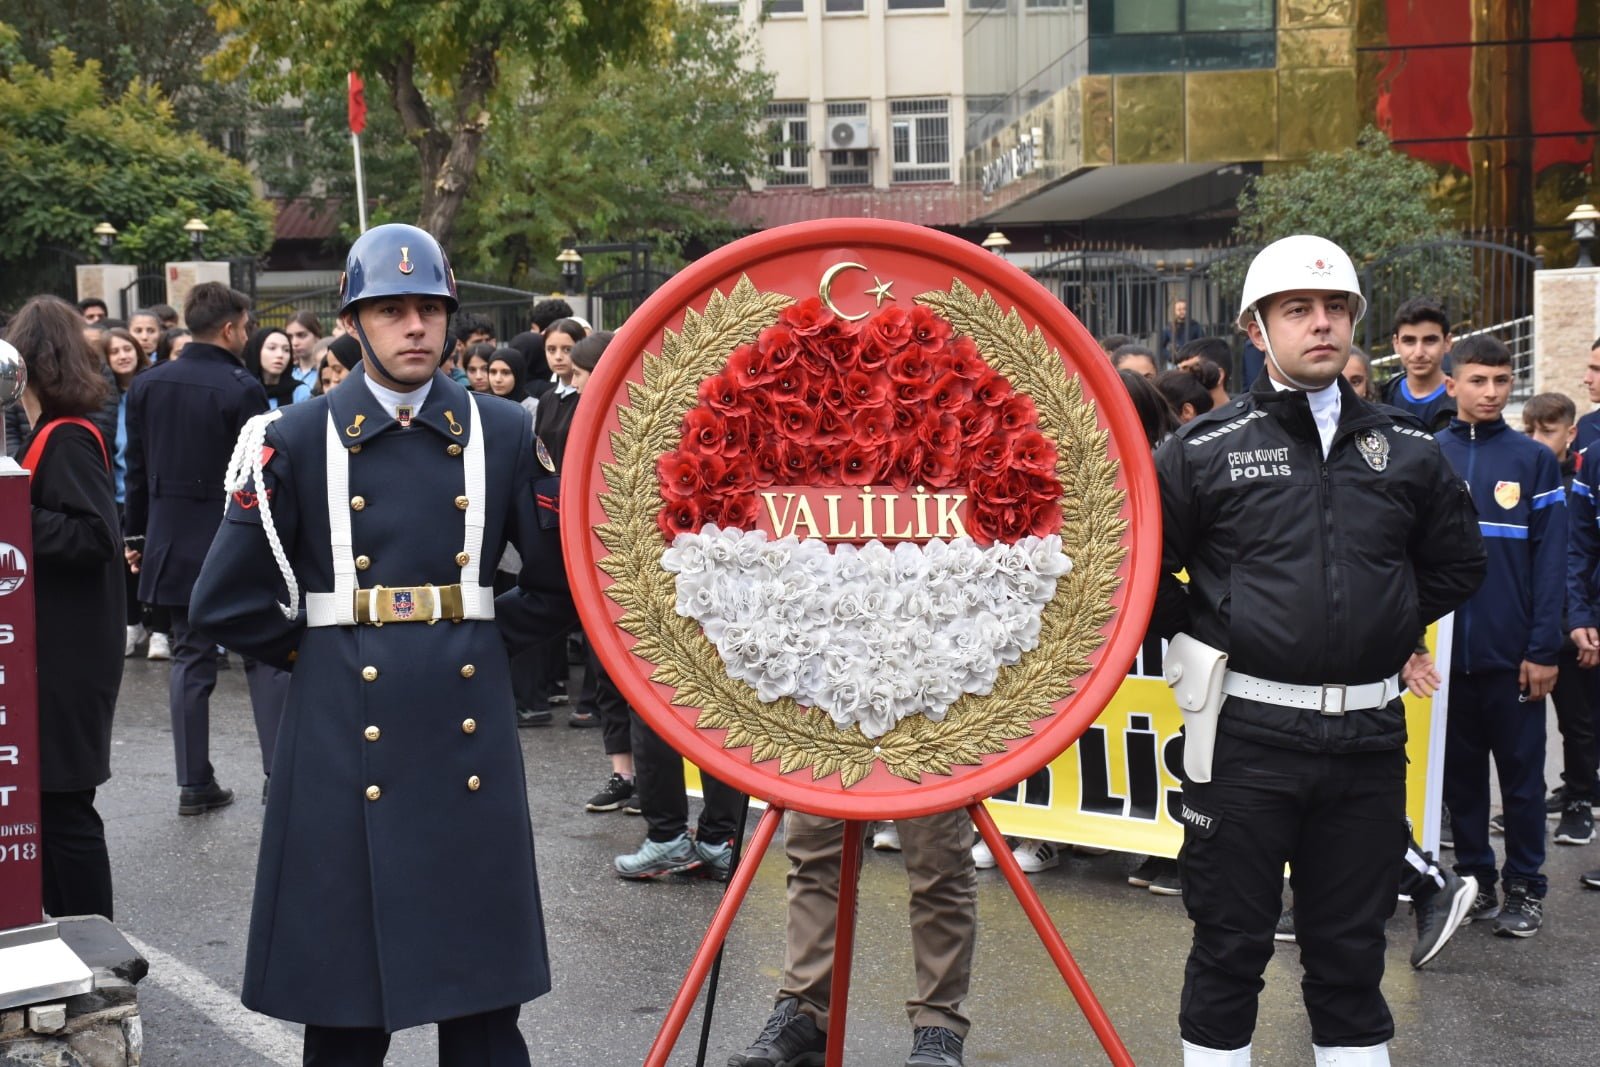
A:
[(36, 448)]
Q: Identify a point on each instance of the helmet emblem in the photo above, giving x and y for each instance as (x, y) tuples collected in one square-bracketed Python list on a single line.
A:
[(1321, 268), (406, 266)]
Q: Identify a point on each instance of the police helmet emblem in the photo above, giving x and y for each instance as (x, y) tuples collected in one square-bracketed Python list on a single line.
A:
[(1321, 268), (1374, 448), (406, 266), (401, 604)]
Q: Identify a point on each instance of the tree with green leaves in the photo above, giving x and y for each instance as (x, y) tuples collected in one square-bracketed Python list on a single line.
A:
[(75, 155), (438, 61), (1372, 201)]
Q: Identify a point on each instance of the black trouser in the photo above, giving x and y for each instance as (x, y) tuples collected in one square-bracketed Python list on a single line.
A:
[(157, 619), (1339, 822), (189, 687), (1420, 877), (76, 869), (489, 1039), (1577, 700), (658, 779), (269, 694), (601, 698)]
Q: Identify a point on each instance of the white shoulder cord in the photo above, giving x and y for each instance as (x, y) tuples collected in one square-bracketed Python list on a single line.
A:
[(244, 466)]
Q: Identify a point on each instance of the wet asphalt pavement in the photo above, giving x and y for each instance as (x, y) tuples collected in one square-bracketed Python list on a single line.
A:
[(619, 949)]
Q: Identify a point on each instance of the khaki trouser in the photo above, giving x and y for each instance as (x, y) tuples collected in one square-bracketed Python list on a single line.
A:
[(944, 913)]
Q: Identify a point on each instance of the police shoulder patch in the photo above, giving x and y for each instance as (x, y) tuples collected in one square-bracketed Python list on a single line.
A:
[(1225, 429), (1410, 432)]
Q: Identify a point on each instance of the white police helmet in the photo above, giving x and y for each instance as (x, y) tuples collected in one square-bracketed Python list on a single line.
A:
[(1304, 261)]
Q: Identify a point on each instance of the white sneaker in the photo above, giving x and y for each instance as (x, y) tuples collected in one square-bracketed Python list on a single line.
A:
[(982, 857), (887, 837), (135, 635), (1035, 856), (159, 648)]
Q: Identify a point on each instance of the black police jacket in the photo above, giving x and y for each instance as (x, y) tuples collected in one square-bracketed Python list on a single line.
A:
[(1312, 570)]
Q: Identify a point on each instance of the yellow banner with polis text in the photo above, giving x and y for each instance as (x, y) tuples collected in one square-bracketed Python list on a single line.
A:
[(1118, 787)]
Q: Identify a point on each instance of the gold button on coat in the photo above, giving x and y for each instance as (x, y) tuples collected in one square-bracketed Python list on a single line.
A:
[(373, 792), (462, 559), (469, 726), (354, 449), (357, 503), (369, 673), (454, 450), (462, 502), (363, 562), (372, 733), (468, 671), (473, 783)]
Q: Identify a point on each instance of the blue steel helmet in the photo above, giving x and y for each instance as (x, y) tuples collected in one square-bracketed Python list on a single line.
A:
[(396, 260)]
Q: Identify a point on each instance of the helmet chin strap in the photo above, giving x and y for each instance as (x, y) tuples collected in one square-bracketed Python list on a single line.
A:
[(371, 358), (1266, 342)]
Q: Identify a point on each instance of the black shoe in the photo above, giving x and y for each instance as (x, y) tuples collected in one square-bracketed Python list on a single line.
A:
[(1167, 882), (1523, 913), (788, 1040), (583, 720), (1486, 905), (934, 1046), (1141, 876), (1285, 930), (527, 717), (1441, 915), (199, 799), (1577, 824), (1590, 879), (631, 806), (1497, 823), (612, 795)]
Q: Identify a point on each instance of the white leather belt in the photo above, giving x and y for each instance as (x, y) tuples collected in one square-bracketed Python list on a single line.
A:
[(381, 604), (1327, 699)]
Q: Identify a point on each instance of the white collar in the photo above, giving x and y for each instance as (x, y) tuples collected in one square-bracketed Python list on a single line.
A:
[(391, 401), (1325, 408)]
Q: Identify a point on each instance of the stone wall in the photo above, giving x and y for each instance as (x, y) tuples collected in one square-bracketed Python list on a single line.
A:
[(1566, 322)]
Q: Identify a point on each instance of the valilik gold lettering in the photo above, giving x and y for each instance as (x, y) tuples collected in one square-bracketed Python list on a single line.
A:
[(858, 514)]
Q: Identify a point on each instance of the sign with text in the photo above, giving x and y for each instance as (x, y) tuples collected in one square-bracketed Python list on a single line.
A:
[(20, 893)]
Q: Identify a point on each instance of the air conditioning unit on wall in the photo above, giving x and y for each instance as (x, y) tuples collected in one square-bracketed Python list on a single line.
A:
[(846, 135)]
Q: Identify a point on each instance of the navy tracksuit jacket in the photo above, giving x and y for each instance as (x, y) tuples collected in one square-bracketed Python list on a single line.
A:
[(1515, 615)]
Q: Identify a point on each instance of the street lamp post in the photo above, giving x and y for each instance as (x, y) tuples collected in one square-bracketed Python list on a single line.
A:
[(1583, 220), (106, 234), (997, 243), (571, 263), (197, 230)]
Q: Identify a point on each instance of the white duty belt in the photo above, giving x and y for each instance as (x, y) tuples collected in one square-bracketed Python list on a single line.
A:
[(350, 605), (1326, 699)]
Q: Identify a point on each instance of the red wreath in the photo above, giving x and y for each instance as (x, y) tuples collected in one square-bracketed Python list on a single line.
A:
[(897, 398)]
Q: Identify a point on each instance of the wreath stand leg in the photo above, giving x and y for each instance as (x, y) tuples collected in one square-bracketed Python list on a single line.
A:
[(716, 934), (1034, 908), (844, 939)]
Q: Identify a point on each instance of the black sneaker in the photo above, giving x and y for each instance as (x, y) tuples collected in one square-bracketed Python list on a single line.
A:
[(1590, 879), (1141, 876), (612, 795), (788, 1040), (1285, 930), (1167, 882), (527, 717), (934, 1046), (1497, 823), (1486, 905), (1523, 913), (199, 799), (631, 806), (583, 720), (1441, 915), (1577, 824)]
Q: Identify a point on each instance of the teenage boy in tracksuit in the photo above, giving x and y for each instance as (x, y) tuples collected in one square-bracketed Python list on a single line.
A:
[(1507, 639)]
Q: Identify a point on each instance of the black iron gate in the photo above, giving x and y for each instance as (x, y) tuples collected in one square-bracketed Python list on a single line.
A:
[(616, 296)]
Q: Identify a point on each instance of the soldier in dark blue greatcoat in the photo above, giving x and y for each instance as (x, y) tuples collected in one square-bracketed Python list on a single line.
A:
[(396, 885)]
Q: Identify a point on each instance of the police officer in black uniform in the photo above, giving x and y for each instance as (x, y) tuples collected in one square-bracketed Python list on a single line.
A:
[(396, 884), (1320, 537)]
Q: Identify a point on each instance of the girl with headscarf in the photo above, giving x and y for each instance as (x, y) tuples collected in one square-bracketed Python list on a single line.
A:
[(508, 377), (268, 355)]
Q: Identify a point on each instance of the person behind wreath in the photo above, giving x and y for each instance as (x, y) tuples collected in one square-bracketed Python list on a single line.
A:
[(396, 884)]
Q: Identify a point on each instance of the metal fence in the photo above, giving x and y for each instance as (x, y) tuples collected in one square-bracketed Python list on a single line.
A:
[(1484, 283)]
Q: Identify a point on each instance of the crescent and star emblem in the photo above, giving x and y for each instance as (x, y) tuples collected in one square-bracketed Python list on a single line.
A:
[(880, 291)]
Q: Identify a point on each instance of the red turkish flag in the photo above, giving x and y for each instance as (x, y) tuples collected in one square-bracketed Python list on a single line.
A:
[(358, 103)]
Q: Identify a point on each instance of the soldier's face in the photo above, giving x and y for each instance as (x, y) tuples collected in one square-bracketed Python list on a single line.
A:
[(406, 334), (1310, 331)]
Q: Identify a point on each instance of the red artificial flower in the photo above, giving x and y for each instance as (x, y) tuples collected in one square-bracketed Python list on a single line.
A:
[(739, 511), (1016, 413), (808, 317), (906, 418), (1031, 451), (831, 428), (826, 464), (796, 463), (905, 466), (861, 464), (702, 431), (718, 393), (759, 405), (738, 476), (831, 395), (790, 386), (1043, 518), (964, 360), (930, 331), (941, 433), (679, 516), (990, 389), (888, 331), (938, 470), (679, 475), (990, 455), (977, 423), (864, 390), (797, 422), (950, 392), (767, 466), (749, 368), (910, 365), (873, 427)]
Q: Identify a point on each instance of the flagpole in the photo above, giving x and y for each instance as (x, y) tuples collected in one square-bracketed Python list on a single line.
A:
[(361, 183)]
